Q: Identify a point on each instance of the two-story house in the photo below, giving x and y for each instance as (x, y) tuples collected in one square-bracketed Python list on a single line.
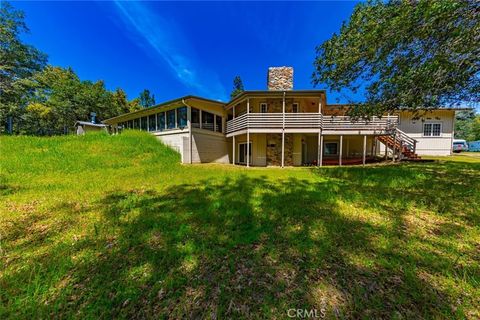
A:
[(285, 127)]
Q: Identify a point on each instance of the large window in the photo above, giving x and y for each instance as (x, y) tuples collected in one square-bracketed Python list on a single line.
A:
[(130, 124), (143, 123), (207, 120), (331, 148), (161, 121), (152, 126), (219, 124), (136, 123), (171, 119), (195, 118), (432, 129), (182, 117)]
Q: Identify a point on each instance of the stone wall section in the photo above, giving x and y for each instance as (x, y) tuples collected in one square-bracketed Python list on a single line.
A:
[(274, 149)]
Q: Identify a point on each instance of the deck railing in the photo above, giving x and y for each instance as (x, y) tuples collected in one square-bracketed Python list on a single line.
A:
[(307, 121)]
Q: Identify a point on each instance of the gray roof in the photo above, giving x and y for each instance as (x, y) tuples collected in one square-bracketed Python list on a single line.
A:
[(86, 123)]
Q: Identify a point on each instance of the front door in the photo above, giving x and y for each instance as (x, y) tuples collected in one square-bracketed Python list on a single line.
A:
[(242, 152)]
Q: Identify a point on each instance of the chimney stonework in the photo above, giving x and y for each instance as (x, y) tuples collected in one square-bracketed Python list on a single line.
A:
[(280, 78)]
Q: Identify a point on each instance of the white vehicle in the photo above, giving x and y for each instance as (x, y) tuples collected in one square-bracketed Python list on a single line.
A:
[(460, 145)]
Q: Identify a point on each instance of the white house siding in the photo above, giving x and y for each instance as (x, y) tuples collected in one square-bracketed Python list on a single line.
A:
[(209, 147), (174, 140), (259, 148), (435, 146)]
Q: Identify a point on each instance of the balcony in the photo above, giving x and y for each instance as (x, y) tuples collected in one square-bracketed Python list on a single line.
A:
[(306, 122)]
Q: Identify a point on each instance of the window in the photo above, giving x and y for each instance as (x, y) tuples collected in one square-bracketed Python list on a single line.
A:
[(331, 148), (161, 121), (171, 119), (263, 108), (143, 123), (130, 124), (152, 126), (195, 118), (295, 108), (136, 123), (218, 120), (207, 120), (182, 117), (432, 129)]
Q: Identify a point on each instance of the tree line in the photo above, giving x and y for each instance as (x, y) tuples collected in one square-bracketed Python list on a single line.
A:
[(41, 99)]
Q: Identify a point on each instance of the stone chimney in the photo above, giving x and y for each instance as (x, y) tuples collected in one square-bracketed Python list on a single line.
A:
[(280, 78)]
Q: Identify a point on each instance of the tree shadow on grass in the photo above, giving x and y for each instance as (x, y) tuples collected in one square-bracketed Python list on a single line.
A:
[(248, 247)]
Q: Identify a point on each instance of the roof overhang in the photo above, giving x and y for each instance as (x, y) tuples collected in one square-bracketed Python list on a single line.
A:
[(164, 105), (273, 93)]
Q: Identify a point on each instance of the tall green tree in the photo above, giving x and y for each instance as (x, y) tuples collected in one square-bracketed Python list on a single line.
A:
[(18, 62), (405, 54), (146, 99), (237, 87), (463, 121), (59, 98)]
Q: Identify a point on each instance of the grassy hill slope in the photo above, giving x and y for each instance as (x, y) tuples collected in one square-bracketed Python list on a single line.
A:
[(113, 226)]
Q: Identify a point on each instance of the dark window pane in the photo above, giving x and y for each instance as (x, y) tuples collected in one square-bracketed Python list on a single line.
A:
[(195, 118), (427, 129), (171, 119), (130, 124), (218, 128), (436, 129), (331, 148), (136, 123), (143, 123), (161, 121), (182, 117), (207, 120), (151, 123)]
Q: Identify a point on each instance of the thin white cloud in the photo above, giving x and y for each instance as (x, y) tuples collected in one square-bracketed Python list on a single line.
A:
[(172, 47)]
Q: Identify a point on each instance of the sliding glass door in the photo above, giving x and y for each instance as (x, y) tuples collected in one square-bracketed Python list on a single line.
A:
[(242, 152)]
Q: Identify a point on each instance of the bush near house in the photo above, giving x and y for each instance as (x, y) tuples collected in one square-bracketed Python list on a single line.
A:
[(102, 226)]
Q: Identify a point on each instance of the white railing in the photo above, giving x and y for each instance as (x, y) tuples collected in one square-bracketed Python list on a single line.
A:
[(347, 123), (308, 121)]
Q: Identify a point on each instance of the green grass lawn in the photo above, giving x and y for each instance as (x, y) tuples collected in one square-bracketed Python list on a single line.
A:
[(104, 226)]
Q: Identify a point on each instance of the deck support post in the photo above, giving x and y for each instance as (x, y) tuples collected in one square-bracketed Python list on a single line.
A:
[(320, 158), (233, 147), (340, 151), (233, 140), (320, 137), (283, 130), (364, 149), (248, 135), (189, 122), (386, 150), (394, 146), (400, 151)]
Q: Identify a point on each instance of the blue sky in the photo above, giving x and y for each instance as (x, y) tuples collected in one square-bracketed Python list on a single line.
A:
[(175, 49)]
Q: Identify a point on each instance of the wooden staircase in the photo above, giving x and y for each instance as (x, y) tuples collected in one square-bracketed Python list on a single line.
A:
[(401, 145)]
